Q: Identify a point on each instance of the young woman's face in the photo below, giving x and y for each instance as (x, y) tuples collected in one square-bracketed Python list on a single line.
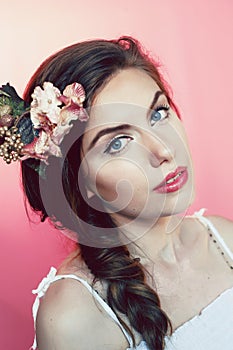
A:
[(133, 140)]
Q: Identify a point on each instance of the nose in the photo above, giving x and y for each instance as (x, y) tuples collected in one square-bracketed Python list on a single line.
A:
[(159, 150)]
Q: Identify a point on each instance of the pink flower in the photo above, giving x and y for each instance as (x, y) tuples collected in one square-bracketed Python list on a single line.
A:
[(73, 98)]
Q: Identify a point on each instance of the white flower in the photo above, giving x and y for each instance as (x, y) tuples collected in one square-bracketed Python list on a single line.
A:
[(60, 131), (45, 146), (45, 104)]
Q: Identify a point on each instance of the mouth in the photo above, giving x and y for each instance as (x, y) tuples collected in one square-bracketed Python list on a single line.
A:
[(173, 181)]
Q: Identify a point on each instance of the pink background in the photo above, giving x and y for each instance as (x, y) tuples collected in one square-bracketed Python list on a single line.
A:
[(193, 40)]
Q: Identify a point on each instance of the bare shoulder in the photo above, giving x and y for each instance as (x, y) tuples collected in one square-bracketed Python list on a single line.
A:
[(224, 227), (69, 319), (62, 317)]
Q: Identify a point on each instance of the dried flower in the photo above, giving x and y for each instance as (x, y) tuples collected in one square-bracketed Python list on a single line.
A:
[(41, 127), (53, 120)]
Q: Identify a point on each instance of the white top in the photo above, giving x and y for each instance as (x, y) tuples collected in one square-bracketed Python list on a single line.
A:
[(212, 329)]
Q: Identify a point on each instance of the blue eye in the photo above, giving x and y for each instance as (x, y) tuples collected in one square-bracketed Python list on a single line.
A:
[(117, 144), (159, 113)]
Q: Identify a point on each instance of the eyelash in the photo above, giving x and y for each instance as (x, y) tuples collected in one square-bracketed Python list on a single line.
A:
[(111, 143), (164, 107)]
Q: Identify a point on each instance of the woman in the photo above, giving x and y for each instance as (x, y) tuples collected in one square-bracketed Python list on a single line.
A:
[(115, 170)]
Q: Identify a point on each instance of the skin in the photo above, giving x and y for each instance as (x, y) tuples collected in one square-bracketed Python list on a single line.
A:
[(146, 154), (126, 179), (176, 250)]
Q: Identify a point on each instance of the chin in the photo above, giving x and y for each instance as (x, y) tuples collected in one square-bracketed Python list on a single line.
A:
[(179, 204)]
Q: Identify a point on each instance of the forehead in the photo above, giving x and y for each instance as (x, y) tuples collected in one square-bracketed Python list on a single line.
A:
[(129, 85), (128, 90)]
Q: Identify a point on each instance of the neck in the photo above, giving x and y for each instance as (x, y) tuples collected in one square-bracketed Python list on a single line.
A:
[(171, 240), (160, 242)]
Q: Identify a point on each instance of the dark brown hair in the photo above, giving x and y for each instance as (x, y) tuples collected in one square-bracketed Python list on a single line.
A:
[(92, 64)]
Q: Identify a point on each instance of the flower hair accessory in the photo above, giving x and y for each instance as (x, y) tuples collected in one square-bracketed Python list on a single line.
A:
[(37, 130)]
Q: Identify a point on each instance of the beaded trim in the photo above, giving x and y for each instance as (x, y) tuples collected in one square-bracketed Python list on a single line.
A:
[(213, 239)]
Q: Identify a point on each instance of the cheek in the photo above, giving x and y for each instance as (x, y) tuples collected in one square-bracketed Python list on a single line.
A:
[(120, 181)]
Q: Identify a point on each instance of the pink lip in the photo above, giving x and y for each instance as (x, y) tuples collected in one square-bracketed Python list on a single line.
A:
[(164, 187)]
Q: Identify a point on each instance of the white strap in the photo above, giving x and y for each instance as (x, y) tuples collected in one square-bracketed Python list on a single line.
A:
[(40, 291), (205, 221), (51, 278)]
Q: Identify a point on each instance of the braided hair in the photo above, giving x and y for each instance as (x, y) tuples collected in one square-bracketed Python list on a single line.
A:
[(92, 64)]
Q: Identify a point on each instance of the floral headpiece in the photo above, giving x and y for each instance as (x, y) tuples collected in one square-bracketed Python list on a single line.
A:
[(37, 130)]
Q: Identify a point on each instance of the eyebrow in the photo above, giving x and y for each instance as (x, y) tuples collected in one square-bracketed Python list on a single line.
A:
[(108, 131), (121, 127), (156, 97)]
